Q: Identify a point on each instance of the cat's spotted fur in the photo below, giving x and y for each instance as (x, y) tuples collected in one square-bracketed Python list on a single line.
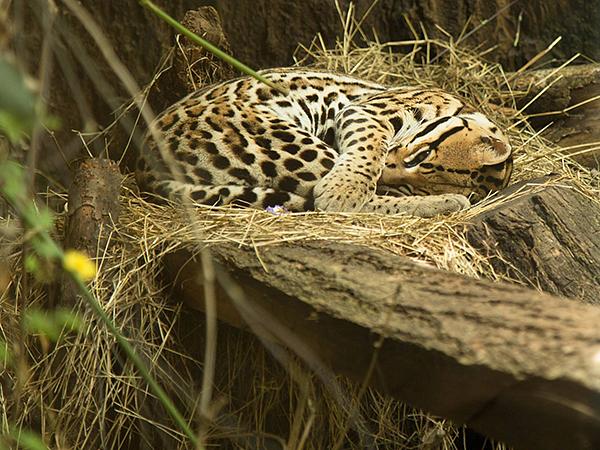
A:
[(334, 143)]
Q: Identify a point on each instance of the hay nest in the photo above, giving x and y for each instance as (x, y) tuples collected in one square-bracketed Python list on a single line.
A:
[(82, 393)]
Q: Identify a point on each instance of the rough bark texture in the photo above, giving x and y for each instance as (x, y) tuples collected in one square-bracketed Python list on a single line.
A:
[(548, 237), (576, 126), (93, 204), (93, 208), (266, 31), (515, 364)]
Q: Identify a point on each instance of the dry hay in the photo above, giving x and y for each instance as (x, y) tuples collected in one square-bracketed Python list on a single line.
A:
[(82, 394)]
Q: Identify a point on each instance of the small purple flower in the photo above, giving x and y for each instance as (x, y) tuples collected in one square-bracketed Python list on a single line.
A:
[(277, 210)]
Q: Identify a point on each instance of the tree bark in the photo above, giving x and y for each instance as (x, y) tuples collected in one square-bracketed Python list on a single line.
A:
[(549, 237), (93, 204), (573, 125), (516, 364), (92, 210)]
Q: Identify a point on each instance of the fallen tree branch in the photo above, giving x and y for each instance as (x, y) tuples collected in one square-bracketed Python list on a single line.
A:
[(516, 364)]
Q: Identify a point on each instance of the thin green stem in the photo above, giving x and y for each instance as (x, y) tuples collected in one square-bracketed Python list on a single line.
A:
[(208, 46)]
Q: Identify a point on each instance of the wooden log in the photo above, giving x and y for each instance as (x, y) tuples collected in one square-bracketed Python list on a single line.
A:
[(515, 364), (572, 125), (93, 204), (92, 209), (547, 237)]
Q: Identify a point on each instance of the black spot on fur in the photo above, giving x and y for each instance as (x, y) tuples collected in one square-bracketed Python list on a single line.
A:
[(292, 164), (275, 198), (248, 158), (193, 112), (204, 175), (242, 174), (306, 176), (327, 163), (309, 204), (288, 184), (214, 200), (329, 137), (348, 112), (198, 195), (211, 148), (330, 97), (179, 131), (308, 155), (248, 197), (495, 181), (221, 162), (284, 136), (272, 154), (263, 142), (191, 159), (269, 169), (396, 123), (292, 149)]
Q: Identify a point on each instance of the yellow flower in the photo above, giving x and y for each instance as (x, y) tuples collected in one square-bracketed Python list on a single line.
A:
[(79, 264)]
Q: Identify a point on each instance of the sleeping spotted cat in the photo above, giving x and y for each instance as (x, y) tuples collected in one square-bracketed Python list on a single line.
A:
[(334, 143)]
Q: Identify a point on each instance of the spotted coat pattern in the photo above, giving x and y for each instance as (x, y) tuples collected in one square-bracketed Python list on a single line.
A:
[(334, 143)]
